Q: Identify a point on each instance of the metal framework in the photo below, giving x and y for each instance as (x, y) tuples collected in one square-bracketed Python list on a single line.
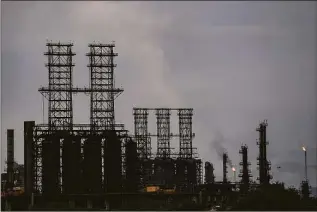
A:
[(42, 133), (185, 133), (187, 169), (163, 133), (141, 132), (142, 136), (199, 171), (263, 163), (60, 65), (245, 172), (62, 140), (103, 91)]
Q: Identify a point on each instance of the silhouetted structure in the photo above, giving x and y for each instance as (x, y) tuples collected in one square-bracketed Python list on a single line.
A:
[(185, 132), (71, 161), (132, 167), (100, 164), (224, 167), (305, 189), (10, 158), (163, 163), (209, 173), (166, 170), (29, 163), (112, 163), (263, 163), (68, 158), (143, 141), (163, 133), (245, 172)]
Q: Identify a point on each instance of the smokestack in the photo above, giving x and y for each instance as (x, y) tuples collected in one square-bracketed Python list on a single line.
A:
[(10, 157), (225, 161), (28, 156), (305, 152)]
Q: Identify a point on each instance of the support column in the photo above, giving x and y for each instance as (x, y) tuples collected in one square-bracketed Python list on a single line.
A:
[(28, 157)]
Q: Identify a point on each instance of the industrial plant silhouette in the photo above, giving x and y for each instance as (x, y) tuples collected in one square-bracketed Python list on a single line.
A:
[(100, 165)]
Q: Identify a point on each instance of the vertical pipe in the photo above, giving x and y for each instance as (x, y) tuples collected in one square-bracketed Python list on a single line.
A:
[(234, 176), (306, 177), (28, 156)]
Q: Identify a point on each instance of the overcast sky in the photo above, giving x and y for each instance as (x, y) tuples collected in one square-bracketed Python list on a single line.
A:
[(235, 63)]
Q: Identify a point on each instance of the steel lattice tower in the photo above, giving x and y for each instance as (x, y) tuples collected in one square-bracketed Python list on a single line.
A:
[(264, 165), (103, 91), (185, 133), (59, 94), (163, 132), (141, 132)]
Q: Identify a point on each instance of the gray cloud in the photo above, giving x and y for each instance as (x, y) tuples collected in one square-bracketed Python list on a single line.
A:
[(235, 63)]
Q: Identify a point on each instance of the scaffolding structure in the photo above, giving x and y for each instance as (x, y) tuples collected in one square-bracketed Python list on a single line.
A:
[(59, 93), (141, 134), (184, 166), (102, 84), (185, 133), (66, 155), (163, 132)]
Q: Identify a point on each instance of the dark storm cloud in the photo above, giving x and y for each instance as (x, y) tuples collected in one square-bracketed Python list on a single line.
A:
[(235, 63)]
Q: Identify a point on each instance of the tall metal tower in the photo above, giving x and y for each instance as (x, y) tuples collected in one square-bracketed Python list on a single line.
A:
[(224, 167), (59, 94), (141, 132), (102, 84), (163, 132), (245, 172), (48, 154), (264, 165), (185, 133), (143, 144)]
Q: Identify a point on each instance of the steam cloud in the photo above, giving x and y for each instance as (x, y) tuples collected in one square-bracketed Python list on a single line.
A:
[(217, 144)]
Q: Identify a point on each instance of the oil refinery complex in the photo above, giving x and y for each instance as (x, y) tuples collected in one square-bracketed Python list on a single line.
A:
[(101, 165)]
